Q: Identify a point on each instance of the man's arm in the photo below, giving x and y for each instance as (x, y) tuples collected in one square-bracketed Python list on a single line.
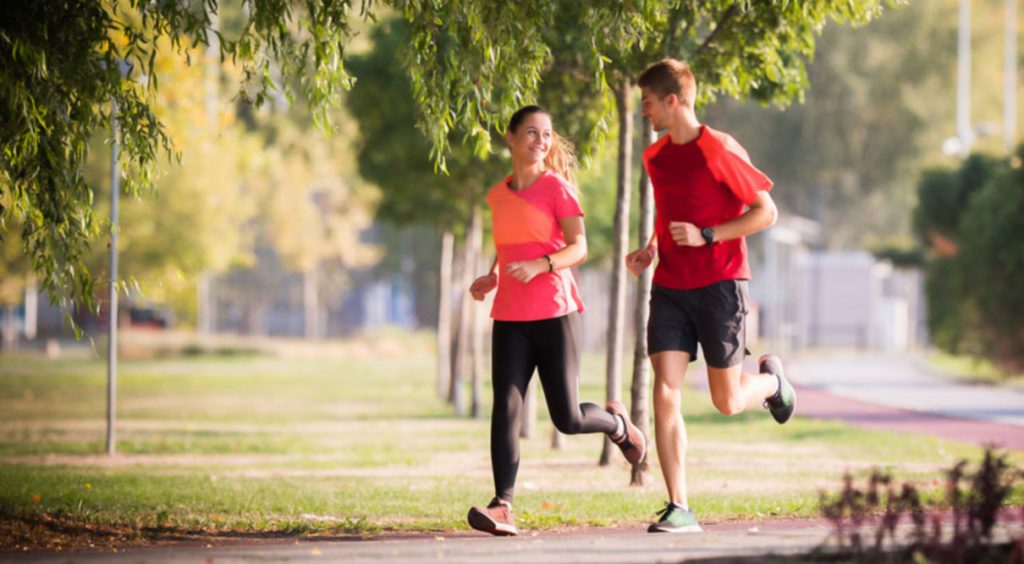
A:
[(761, 214)]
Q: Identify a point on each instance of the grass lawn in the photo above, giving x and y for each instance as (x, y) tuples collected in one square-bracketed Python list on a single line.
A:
[(262, 444)]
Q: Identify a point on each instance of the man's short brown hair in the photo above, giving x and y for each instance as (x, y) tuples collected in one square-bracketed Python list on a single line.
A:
[(669, 76)]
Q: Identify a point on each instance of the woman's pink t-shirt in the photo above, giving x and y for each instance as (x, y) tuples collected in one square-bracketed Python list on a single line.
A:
[(526, 227)]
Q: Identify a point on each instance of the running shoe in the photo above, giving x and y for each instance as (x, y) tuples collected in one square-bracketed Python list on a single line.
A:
[(675, 519), (782, 403), (633, 444), (496, 518)]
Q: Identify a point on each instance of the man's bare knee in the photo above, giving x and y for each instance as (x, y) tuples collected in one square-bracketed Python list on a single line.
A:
[(728, 406)]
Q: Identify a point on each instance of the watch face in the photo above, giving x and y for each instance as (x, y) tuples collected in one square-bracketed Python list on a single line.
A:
[(708, 234)]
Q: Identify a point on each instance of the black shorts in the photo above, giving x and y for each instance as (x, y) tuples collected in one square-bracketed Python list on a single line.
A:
[(713, 316)]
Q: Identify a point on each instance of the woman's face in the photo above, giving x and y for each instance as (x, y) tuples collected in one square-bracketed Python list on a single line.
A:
[(531, 141)]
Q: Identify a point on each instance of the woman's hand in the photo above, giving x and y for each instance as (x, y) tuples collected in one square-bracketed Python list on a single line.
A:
[(639, 260), (482, 286), (527, 270)]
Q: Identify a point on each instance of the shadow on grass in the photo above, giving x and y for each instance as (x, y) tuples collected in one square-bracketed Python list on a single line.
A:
[(44, 531)]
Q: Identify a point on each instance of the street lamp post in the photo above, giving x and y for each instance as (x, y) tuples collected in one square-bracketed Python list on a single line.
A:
[(964, 132), (112, 309), (1010, 78), (112, 306)]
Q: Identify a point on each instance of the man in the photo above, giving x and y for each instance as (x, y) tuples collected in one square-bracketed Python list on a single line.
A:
[(708, 197)]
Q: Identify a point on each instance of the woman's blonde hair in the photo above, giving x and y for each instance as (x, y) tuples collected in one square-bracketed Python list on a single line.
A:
[(561, 158)]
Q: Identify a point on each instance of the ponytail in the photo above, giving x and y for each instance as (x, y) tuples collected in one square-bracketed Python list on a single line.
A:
[(561, 158)]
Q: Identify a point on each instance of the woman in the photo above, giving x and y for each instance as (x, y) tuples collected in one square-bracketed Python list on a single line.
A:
[(539, 236)]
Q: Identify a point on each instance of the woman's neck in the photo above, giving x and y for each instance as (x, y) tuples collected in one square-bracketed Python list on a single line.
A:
[(524, 175)]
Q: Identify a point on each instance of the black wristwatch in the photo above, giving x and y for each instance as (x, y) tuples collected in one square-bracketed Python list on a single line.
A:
[(708, 233)]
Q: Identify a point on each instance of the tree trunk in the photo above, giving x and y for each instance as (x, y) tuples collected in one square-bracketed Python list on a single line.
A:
[(641, 365), (31, 308), (9, 330), (204, 303), (557, 439), (311, 301), (528, 425), (444, 314), (617, 305), (476, 341), (463, 362)]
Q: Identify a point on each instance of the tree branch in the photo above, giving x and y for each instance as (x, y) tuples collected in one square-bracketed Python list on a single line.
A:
[(718, 27), (673, 28)]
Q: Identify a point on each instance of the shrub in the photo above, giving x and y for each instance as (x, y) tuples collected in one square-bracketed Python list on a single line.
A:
[(866, 521)]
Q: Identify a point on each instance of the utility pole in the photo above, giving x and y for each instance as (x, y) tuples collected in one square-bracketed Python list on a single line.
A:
[(205, 308), (1010, 78), (964, 132), (112, 307)]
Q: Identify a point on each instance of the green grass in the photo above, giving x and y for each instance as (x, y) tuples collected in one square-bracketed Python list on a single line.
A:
[(972, 369), (273, 445)]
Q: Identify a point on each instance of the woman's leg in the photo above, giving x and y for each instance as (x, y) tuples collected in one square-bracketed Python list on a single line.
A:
[(512, 366), (557, 342)]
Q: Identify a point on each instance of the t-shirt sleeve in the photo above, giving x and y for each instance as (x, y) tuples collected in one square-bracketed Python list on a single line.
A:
[(564, 201), (731, 166)]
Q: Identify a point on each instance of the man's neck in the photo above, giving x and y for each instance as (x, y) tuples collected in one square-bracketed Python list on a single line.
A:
[(684, 127)]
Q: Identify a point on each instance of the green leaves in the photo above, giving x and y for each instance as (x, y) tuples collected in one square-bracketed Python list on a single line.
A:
[(470, 62)]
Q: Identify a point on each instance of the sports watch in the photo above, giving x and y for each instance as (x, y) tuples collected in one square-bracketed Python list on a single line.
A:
[(708, 233)]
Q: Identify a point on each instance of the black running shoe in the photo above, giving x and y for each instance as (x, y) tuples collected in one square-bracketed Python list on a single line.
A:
[(782, 403)]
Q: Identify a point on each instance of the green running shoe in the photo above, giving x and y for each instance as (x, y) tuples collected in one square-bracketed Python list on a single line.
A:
[(675, 519), (782, 403)]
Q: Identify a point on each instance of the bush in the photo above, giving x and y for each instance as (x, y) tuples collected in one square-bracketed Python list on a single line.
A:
[(992, 261), (865, 521), (974, 217)]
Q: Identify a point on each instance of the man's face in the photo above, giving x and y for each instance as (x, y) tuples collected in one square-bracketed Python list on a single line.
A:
[(655, 109)]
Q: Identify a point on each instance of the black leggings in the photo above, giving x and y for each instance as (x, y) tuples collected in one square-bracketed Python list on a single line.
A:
[(552, 346)]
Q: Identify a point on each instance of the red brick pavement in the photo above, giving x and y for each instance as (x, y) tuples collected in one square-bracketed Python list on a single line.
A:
[(819, 404)]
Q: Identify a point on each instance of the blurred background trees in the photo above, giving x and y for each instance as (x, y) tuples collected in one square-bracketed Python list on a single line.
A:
[(297, 233)]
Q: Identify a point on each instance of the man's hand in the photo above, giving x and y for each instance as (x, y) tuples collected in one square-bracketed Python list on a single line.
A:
[(639, 260), (526, 270), (686, 234), (482, 286)]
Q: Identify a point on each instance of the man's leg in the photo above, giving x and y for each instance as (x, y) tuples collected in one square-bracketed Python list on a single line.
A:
[(669, 428), (733, 391), (720, 311)]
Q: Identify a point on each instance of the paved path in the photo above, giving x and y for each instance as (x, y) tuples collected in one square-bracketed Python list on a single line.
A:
[(901, 393), (591, 545)]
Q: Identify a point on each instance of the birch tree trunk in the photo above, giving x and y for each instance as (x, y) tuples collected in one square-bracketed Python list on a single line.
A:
[(528, 425), (617, 305), (641, 366), (444, 314), (463, 362), (311, 301)]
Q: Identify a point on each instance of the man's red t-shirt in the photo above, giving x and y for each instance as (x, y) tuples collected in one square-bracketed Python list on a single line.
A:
[(707, 182)]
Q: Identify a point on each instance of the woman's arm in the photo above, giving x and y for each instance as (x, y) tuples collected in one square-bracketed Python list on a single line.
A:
[(573, 253)]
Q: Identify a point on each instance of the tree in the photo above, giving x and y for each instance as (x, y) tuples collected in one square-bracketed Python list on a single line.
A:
[(880, 103), (395, 156), (968, 218), (59, 70), (755, 50), (991, 252)]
